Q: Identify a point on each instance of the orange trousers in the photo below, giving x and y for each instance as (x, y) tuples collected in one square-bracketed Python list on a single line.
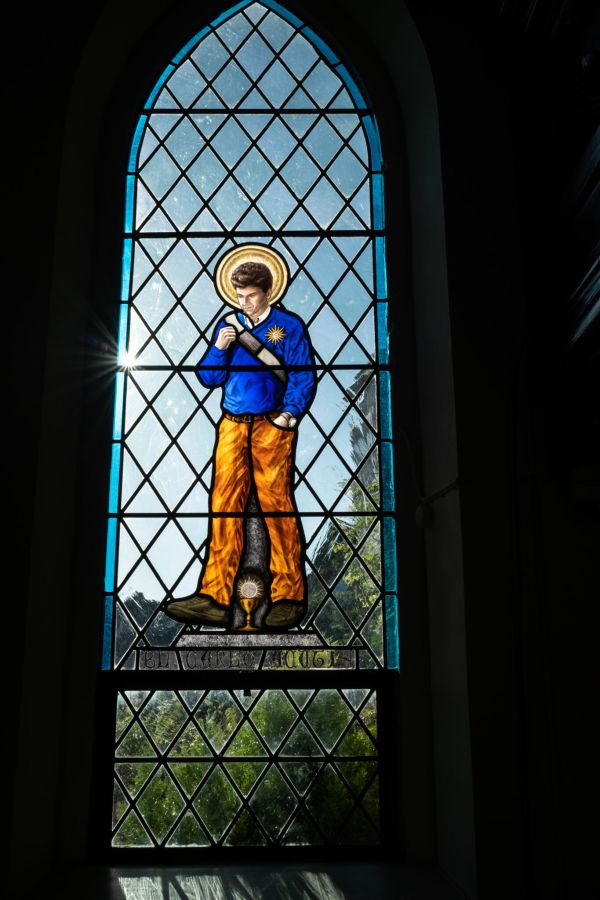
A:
[(258, 453)]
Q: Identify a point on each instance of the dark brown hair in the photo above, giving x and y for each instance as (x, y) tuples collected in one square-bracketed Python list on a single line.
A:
[(252, 274)]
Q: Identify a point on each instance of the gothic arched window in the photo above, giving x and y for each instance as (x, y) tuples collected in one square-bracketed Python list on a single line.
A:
[(255, 144)]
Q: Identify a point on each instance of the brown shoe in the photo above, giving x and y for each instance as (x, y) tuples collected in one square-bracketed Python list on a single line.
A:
[(198, 609), (285, 614)]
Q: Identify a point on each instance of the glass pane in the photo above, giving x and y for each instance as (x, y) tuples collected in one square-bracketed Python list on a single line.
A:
[(300, 173), (277, 142), (325, 266), (324, 203), (186, 83), (273, 802), (233, 31), (276, 30), (347, 172), (229, 204), (255, 56), (230, 143), (323, 142), (189, 833), (216, 804), (207, 173), (182, 203), (211, 55), (231, 84), (322, 84), (276, 84), (245, 801), (180, 268), (178, 336), (147, 441), (154, 301), (184, 142), (159, 173), (299, 56), (253, 172)]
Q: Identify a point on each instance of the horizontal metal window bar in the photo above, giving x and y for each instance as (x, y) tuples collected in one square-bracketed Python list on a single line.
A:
[(319, 367), (272, 233), (246, 515), (262, 110)]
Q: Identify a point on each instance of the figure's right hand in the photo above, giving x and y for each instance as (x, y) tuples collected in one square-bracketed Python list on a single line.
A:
[(225, 337)]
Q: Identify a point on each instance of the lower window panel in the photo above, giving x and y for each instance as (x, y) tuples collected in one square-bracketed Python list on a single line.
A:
[(238, 768)]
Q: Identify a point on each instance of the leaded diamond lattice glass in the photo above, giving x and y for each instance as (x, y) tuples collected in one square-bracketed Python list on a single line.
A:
[(256, 132), (209, 768)]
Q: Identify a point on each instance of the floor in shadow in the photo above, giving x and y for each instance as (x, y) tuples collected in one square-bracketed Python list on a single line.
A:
[(360, 881)]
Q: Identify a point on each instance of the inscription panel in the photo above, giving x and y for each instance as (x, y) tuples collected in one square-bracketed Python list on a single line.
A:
[(237, 658)]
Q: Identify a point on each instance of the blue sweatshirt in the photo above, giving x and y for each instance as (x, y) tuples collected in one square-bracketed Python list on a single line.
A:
[(257, 390)]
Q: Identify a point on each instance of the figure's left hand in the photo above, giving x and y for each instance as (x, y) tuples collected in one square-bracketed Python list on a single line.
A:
[(284, 421)]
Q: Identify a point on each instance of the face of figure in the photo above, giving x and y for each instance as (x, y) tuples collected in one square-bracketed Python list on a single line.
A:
[(253, 301)]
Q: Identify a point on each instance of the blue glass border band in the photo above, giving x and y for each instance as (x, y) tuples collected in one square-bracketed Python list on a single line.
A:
[(387, 472), (374, 142), (380, 268), (392, 637), (352, 86), (385, 405), (389, 555), (230, 11), (378, 204), (122, 332), (126, 274), (107, 633), (320, 45), (129, 195), (190, 45), (118, 415), (135, 144), (115, 471), (149, 102), (383, 337), (283, 12), (111, 553)]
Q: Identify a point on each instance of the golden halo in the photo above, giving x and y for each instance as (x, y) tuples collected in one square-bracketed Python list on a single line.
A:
[(251, 253)]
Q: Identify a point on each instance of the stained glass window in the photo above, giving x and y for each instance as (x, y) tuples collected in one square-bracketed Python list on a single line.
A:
[(255, 136)]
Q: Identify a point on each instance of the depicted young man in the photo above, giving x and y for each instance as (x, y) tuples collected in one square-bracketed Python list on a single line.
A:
[(262, 358)]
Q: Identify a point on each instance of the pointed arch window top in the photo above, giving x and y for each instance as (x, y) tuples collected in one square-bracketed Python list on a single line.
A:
[(258, 55), (258, 119)]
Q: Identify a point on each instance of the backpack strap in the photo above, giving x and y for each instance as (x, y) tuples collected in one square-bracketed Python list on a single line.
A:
[(255, 348)]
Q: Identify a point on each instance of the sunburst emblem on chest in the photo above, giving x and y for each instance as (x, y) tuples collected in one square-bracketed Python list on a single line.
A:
[(275, 334)]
